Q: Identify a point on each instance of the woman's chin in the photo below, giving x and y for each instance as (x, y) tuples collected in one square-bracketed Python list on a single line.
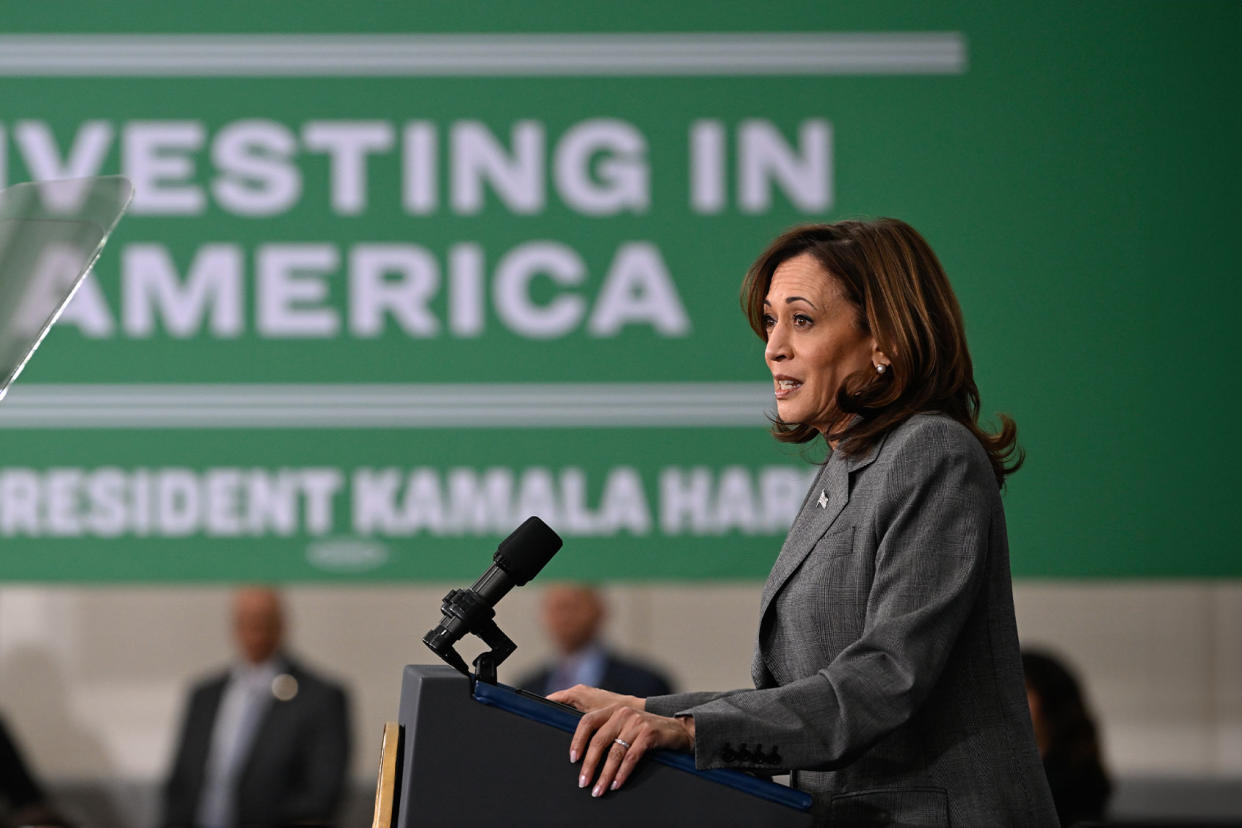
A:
[(790, 412)]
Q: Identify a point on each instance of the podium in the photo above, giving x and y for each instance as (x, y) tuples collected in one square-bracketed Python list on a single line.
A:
[(488, 755)]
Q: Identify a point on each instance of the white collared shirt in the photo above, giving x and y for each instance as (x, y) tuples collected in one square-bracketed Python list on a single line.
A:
[(583, 667), (242, 705)]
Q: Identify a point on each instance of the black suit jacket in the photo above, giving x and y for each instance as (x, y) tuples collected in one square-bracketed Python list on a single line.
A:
[(620, 675), (18, 787), (295, 772)]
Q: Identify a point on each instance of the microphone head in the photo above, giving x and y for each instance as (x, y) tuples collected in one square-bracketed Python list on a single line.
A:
[(527, 549)]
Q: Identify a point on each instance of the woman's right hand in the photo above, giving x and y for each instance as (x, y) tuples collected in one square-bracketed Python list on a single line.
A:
[(586, 699), (615, 732)]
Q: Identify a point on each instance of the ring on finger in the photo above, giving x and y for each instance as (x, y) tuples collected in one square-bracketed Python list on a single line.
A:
[(622, 743)]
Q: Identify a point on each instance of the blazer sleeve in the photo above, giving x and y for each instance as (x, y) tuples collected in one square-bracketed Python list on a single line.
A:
[(932, 529), (673, 703)]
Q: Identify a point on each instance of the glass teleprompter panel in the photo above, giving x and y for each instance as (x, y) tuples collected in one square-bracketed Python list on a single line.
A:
[(51, 232)]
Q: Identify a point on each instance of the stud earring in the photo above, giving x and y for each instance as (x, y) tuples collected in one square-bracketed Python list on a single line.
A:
[(880, 368)]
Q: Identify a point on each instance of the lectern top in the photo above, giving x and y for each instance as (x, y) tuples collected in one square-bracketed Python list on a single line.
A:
[(558, 716)]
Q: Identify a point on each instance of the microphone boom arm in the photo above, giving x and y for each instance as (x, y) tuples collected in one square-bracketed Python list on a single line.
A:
[(466, 611), (519, 558)]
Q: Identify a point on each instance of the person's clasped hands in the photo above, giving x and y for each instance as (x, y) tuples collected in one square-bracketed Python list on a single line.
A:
[(614, 733)]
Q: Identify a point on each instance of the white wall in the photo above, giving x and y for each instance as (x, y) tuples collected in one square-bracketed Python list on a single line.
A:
[(91, 679)]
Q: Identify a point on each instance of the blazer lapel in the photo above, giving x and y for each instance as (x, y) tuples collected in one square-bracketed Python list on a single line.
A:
[(810, 525), (831, 489)]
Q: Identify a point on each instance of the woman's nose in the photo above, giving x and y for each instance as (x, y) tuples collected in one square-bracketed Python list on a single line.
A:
[(777, 348)]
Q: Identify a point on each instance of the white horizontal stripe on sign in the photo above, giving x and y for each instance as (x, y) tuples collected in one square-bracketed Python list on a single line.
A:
[(431, 405), (759, 53)]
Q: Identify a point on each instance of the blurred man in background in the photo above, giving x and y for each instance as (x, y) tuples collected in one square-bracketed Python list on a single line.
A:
[(264, 744), (572, 616)]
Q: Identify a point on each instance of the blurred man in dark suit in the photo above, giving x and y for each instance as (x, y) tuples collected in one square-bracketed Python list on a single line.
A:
[(573, 615), (264, 744)]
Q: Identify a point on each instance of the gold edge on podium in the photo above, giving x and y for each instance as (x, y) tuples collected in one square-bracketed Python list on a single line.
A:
[(386, 784)]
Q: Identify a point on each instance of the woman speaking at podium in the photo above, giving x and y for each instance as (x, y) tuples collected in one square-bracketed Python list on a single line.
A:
[(887, 674)]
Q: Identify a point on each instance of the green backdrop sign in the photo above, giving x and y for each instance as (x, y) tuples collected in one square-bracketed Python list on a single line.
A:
[(390, 284)]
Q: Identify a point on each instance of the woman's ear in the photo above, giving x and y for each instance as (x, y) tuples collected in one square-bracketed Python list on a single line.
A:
[(879, 359)]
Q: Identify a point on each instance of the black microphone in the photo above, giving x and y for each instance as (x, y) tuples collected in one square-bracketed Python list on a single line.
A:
[(518, 559)]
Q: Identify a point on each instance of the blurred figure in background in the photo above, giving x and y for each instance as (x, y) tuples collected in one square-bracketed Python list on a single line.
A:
[(572, 616), (1066, 736), (22, 801), (264, 744)]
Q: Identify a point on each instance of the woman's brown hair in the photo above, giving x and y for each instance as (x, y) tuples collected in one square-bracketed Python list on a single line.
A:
[(902, 297)]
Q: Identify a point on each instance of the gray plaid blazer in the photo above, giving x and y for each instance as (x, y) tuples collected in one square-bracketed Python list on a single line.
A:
[(887, 670)]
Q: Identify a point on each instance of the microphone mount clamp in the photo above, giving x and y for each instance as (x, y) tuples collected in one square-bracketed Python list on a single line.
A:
[(465, 611)]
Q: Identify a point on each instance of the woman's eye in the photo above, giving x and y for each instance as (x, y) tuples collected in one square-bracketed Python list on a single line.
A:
[(801, 320), (768, 321)]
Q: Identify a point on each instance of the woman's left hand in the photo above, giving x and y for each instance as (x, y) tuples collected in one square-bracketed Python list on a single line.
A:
[(600, 734)]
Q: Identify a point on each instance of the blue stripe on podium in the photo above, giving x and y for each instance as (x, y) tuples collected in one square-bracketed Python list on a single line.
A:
[(565, 718)]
